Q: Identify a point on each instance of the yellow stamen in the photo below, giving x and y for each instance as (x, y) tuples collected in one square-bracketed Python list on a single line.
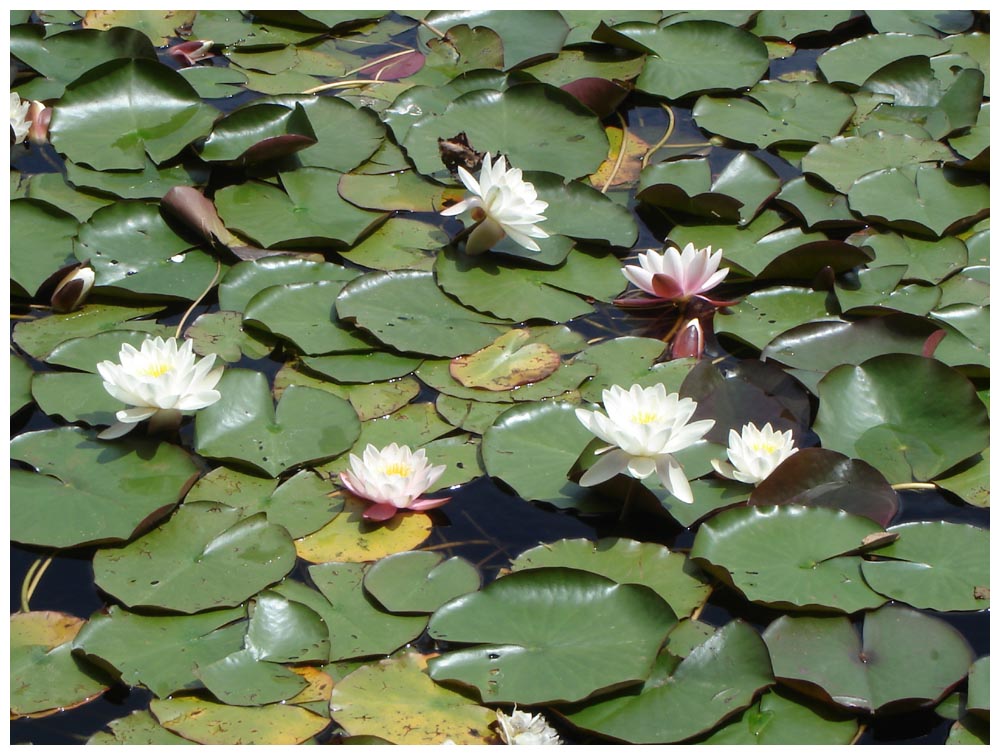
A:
[(768, 448), (644, 418), (398, 469), (156, 369)]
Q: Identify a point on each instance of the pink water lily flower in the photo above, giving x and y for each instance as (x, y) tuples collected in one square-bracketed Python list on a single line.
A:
[(677, 276), (392, 479)]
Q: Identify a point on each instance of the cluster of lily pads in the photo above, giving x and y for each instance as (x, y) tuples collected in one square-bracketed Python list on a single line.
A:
[(722, 271)]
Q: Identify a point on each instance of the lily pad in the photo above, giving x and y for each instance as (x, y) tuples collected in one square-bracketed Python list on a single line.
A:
[(363, 368), (39, 337), (153, 108), (973, 483), (41, 242), (525, 34), (400, 243), (259, 132), (778, 112), (137, 728), (769, 555), (370, 400), (396, 191), (160, 26), (152, 182), (533, 447), (395, 699), (89, 491), (929, 261), (766, 313), (854, 61), (407, 310), (45, 676), (305, 314), (161, 653), (20, 383), (936, 565), (240, 679), (779, 718), (818, 208), (245, 426), (351, 538), (506, 363), (901, 433), (203, 557), (63, 57), (550, 661), (246, 279), (221, 333), (209, 722), (669, 574), (420, 582), (820, 477), (905, 658), (715, 680), (790, 24)]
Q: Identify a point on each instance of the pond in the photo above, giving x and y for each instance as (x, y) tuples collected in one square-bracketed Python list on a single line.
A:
[(489, 377)]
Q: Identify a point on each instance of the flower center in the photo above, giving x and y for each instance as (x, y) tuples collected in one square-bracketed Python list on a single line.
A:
[(398, 469), (156, 369), (767, 448), (645, 418)]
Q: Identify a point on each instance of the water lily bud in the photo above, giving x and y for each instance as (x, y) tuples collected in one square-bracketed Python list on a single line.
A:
[(191, 52), (40, 115), (73, 289), (690, 342)]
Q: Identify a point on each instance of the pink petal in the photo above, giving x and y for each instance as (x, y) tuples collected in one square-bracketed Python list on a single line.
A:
[(380, 512), (666, 287), (423, 504)]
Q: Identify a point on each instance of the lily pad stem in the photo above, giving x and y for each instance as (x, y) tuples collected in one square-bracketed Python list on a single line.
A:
[(663, 140), (861, 731), (914, 486), (621, 155), (31, 580), (196, 302)]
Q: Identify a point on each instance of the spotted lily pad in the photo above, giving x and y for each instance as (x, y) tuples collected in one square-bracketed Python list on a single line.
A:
[(244, 425), (349, 537), (137, 728), (904, 658), (203, 557), (506, 363), (550, 661), (209, 722)]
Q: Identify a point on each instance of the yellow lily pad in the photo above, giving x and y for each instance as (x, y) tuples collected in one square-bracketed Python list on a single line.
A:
[(506, 363), (215, 724), (158, 25), (396, 699), (351, 538), (630, 166)]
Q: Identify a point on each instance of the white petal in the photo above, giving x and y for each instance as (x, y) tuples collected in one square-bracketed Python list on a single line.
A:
[(605, 468)]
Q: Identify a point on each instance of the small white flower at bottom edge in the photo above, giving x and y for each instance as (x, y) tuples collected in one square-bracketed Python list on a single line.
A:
[(521, 728), (754, 454)]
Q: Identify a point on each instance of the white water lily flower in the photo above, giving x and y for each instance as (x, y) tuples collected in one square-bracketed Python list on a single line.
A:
[(504, 203), (392, 479), (159, 378), (677, 276), (754, 454), (19, 122), (521, 728), (645, 427)]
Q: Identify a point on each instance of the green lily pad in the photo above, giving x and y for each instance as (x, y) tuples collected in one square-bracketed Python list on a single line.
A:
[(901, 433), (221, 333), (160, 26), (779, 718), (152, 182), (40, 337), (213, 723), (979, 687), (137, 728), (41, 242), (789, 24), (259, 132), (76, 397), (629, 360), (469, 414), (929, 261), (21, 376), (246, 279), (921, 22), (399, 244), (63, 57), (161, 653), (936, 565), (578, 210), (395, 698), (419, 581), (820, 477), (715, 680), (769, 312), (506, 363), (554, 660), (130, 246), (408, 311), (45, 676), (214, 83), (818, 208), (308, 212), (687, 186), (53, 189), (854, 61), (308, 425), (203, 557), (973, 483), (284, 631), (769, 555), (405, 190), (357, 626), (370, 400), (526, 34), (778, 112), (153, 108), (539, 127), (90, 491), (922, 200), (670, 575), (844, 159), (240, 679), (880, 289), (363, 368), (905, 657), (679, 67), (304, 313), (533, 447), (460, 455)]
